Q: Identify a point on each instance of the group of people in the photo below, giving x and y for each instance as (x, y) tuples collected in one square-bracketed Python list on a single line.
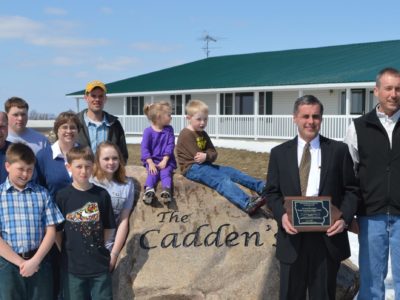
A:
[(64, 207), (361, 177)]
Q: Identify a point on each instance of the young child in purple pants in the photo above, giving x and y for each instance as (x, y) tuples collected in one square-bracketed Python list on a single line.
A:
[(157, 147)]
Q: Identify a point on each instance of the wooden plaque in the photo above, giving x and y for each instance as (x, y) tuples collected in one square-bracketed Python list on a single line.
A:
[(311, 214)]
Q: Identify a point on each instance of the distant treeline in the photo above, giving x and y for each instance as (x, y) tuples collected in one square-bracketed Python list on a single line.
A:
[(34, 115)]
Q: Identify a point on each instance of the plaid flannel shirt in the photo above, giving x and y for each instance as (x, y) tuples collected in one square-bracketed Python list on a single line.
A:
[(24, 215)]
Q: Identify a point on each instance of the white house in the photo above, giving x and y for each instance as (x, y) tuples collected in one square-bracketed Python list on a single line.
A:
[(252, 95)]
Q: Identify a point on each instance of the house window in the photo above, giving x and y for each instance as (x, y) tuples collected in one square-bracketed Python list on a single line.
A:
[(176, 104), (357, 106), (187, 99), (134, 105), (357, 102), (244, 103), (265, 103), (226, 104)]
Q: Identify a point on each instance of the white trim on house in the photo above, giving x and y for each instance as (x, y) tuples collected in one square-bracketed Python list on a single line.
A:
[(301, 87), (335, 101)]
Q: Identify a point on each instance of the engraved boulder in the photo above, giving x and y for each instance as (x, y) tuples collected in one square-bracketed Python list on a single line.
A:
[(199, 246)]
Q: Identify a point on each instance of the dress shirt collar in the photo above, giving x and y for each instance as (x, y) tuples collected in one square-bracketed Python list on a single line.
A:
[(314, 144), (57, 150), (89, 121), (384, 117), (9, 186)]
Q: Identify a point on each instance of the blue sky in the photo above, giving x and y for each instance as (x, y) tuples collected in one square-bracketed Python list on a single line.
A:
[(51, 48)]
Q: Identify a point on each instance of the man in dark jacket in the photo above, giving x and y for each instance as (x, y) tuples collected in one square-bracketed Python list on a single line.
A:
[(98, 125), (374, 143), (311, 165)]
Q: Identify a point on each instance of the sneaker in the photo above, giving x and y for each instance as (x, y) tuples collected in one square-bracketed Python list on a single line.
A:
[(166, 195), (149, 195), (254, 204)]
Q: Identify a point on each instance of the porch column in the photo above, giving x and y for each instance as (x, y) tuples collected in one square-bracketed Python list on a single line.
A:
[(217, 97), (256, 100), (370, 101), (348, 103), (124, 113), (183, 115), (233, 104), (77, 105)]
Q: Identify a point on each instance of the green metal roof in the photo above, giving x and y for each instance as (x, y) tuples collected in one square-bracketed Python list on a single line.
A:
[(334, 64)]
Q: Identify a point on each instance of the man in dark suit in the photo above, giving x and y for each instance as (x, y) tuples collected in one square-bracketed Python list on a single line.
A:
[(309, 261)]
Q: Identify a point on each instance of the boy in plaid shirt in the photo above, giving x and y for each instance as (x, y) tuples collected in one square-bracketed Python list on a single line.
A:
[(28, 217)]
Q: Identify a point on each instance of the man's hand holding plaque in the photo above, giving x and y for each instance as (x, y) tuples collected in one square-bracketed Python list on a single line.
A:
[(312, 214)]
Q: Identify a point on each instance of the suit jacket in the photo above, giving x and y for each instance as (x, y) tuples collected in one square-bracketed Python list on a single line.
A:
[(337, 180)]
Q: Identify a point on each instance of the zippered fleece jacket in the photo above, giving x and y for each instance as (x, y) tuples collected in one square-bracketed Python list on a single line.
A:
[(379, 166)]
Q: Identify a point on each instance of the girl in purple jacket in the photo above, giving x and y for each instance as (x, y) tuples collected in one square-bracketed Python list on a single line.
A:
[(157, 147)]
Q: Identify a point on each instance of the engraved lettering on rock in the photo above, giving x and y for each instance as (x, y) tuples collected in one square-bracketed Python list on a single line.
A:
[(202, 236)]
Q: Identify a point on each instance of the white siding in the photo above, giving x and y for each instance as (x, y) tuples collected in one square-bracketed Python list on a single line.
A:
[(114, 105), (157, 98), (209, 99), (330, 100), (282, 102)]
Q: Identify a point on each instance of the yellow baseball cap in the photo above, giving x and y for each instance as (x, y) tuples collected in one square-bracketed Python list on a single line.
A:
[(94, 84)]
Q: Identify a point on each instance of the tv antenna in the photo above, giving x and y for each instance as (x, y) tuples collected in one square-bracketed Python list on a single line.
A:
[(207, 39)]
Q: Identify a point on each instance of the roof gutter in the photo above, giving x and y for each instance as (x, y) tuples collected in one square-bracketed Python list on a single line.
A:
[(322, 86)]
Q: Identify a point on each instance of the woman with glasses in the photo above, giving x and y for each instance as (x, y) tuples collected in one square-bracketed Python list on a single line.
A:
[(52, 171)]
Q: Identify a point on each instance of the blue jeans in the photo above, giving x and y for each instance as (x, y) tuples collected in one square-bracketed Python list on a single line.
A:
[(14, 287), (378, 235), (223, 180)]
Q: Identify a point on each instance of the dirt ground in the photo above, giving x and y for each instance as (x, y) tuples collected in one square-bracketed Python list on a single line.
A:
[(252, 163)]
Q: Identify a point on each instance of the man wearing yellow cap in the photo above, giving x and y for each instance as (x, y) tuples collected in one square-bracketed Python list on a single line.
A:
[(98, 125)]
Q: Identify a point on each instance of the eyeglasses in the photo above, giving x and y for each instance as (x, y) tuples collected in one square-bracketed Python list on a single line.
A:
[(67, 127)]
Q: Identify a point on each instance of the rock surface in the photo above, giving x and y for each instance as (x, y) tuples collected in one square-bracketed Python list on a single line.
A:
[(348, 281), (200, 246)]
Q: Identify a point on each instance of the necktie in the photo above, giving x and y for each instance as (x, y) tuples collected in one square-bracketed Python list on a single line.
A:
[(304, 169)]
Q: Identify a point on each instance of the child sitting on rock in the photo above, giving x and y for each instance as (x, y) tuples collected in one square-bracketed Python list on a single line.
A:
[(157, 149), (196, 155)]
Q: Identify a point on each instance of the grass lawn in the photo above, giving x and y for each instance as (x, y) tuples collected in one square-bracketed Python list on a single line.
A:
[(252, 163)]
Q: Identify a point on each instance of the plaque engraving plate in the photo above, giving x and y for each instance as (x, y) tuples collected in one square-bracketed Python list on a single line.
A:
[(311, 213)]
